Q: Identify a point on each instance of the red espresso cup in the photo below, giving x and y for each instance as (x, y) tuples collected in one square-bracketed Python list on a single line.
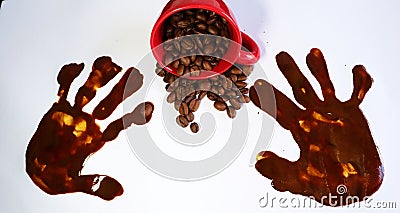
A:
[(241, 50)]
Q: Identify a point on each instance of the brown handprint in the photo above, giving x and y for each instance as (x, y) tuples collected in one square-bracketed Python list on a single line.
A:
[(336, 146), (67, 136)]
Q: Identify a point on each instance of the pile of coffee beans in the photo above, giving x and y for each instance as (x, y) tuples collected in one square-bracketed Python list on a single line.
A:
[(202, 50), (228, 91)]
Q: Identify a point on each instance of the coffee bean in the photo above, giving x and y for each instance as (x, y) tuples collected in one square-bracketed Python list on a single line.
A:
[(221, 90), (242, 78), (190, 116), (212, 20), (198, 61), (160, 72), (207, 65), (185, 61), (213, 29), (182, 121), (233, 77), (183, 23), (236, 71), (202, 95), (201, 16), (188, 99), (180, 70), (230, 93), (246, 99), (194, 127), (241, 84), (201, 26), (221, 106), (183, 109), (209, 49), (194, 105), (231, 112), (235, 103), (244, 91), (211, 96), (187, 44), (171, 97)]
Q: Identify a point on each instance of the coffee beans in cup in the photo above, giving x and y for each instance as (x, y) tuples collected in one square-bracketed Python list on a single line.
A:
[(228, 91), (203, 49)]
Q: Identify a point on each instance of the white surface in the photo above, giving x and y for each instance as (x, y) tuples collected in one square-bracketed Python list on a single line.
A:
[(38, 37)]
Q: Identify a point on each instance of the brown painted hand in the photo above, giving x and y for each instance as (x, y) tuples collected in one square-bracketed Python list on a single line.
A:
[(66, 135), (336, 146)]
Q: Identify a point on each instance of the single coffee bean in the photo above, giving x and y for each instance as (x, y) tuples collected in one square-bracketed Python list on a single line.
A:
[(175, 64), (199, 61), (212, 20), (202, 95), (213, 29), (221, 90), (235, 103), (246, 99), (194, 127), (230, 93), (188, 99), (209, 49), (185, 61), (231, 112), (207, 65), (244, 91), (183, 23), (241, 84), (182, 121), (221, 106), (180, 70), (201, 16), (187, 44), (236, 71), (201, 26), (190, 116), (242, 78), (183, 109), (194, 105), (212, 96), (160, 72), (233, 77), (171, 97)]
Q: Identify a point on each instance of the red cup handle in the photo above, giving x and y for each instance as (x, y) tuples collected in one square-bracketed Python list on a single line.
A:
[(251, 53)]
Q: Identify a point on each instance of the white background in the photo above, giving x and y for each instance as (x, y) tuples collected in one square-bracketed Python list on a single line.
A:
[(38, 37)]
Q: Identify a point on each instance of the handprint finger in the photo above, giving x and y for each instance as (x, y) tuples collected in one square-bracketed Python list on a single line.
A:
[(139, 116), (66, 76), (302, 89), (282, 172), (103, 71), (275, 103), (362, 83), (317, 65), (120, 92), (102, 186)]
